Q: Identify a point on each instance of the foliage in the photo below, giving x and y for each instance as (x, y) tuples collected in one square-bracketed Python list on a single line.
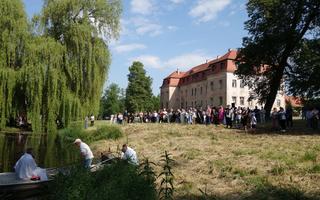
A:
[(155, 101), (101, 133), (166, 184), (117, 181), (303, 79), (55, 68), (112, 102), (138, 92), (107, 132), (147, 171), (276, 29)]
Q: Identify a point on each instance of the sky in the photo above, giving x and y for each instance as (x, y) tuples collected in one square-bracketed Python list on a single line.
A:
[(166, 35)]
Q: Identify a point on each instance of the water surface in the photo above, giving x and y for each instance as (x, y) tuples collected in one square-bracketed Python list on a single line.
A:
[(49, 150)]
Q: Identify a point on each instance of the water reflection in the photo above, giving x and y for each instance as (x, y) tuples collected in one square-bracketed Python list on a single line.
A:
[(49, 150)]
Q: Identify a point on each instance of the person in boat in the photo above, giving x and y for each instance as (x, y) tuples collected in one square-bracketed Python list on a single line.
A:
[(27, 169), (86, 153), (129, 154)]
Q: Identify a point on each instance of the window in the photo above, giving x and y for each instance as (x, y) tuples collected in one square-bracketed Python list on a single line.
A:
[(241, 101), (250, 103), (234, 100), (213, 67), (278, 102), (201, 103), (191, 103), (195, 91), (221, 66), (186, 104), (211, 85), (191, 91), (241, 83), (186, 92), (234, 83), (211, 100), (220, 84), (220, 100), (200, 90)]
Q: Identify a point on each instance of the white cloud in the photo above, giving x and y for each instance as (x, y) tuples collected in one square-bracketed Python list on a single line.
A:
[(144, 26), (149, 61), (129, 47), (185, 61), (143, 7), (172, 28), (151, 29), (207, 10), (177, 1)]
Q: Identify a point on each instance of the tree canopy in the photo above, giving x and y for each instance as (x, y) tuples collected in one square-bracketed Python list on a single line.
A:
[(304, 76), (276, 30), (112, 101), (54, 68), (138, 92)]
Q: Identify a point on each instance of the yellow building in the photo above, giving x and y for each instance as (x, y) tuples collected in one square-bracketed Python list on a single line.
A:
[(210, 84)]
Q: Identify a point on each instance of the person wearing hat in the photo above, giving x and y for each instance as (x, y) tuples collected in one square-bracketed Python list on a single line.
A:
[(86, 152)]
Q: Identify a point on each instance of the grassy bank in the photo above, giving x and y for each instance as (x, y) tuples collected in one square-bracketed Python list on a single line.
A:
[(217, 163)]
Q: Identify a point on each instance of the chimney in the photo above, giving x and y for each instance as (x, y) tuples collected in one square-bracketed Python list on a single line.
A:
[(178, 72), (206, 61)]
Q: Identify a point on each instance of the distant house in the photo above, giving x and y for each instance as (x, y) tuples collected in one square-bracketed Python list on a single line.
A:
[(212, 83)]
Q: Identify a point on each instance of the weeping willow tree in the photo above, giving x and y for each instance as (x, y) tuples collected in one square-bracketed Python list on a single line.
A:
[(55, 68)]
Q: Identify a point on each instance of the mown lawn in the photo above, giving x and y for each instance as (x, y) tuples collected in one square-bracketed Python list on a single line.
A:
[(228, 163)]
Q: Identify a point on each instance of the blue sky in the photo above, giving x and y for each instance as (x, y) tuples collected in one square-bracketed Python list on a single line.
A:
[(169, 34)]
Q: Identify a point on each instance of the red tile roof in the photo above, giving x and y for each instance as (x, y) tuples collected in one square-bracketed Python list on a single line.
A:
[(230, 55)]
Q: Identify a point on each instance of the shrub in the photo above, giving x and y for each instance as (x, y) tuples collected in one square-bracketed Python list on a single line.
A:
[(71, 134), (117, 181), (107, 132)]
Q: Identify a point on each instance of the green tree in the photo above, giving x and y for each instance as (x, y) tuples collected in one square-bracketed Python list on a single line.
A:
[(155, 100), (303, 78), (276, 29), (112, 101), (56, 67), (138, 92)]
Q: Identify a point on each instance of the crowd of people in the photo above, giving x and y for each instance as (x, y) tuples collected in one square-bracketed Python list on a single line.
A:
[(231, 117)]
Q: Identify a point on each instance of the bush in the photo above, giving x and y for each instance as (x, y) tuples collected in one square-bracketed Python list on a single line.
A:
[(102, 133), (70, 134), (118, 181), (107, 132)]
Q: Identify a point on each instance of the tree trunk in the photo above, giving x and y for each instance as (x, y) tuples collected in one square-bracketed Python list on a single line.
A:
[(274, 87)]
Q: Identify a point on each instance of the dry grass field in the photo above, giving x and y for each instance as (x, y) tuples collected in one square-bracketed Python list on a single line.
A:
[(228, 163)]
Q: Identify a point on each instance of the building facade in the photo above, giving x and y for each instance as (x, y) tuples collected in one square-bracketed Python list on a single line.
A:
[(210, 84)]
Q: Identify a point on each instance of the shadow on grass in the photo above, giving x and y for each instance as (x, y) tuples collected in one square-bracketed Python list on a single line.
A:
[(267, 192), (299, 128)]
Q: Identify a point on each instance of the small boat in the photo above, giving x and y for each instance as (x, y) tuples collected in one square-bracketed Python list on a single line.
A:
[(13, 188)]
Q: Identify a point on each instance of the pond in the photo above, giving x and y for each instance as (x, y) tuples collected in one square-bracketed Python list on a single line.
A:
[(49, 150)]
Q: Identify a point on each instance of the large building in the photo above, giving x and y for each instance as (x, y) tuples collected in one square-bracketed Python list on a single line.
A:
[(212, 83)]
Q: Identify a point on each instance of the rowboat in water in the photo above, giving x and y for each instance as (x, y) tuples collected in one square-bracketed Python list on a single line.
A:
[(13, 188)]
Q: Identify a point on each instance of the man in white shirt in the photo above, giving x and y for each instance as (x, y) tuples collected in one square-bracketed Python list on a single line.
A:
[(86, 152), (26, 167), (129, 154)]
